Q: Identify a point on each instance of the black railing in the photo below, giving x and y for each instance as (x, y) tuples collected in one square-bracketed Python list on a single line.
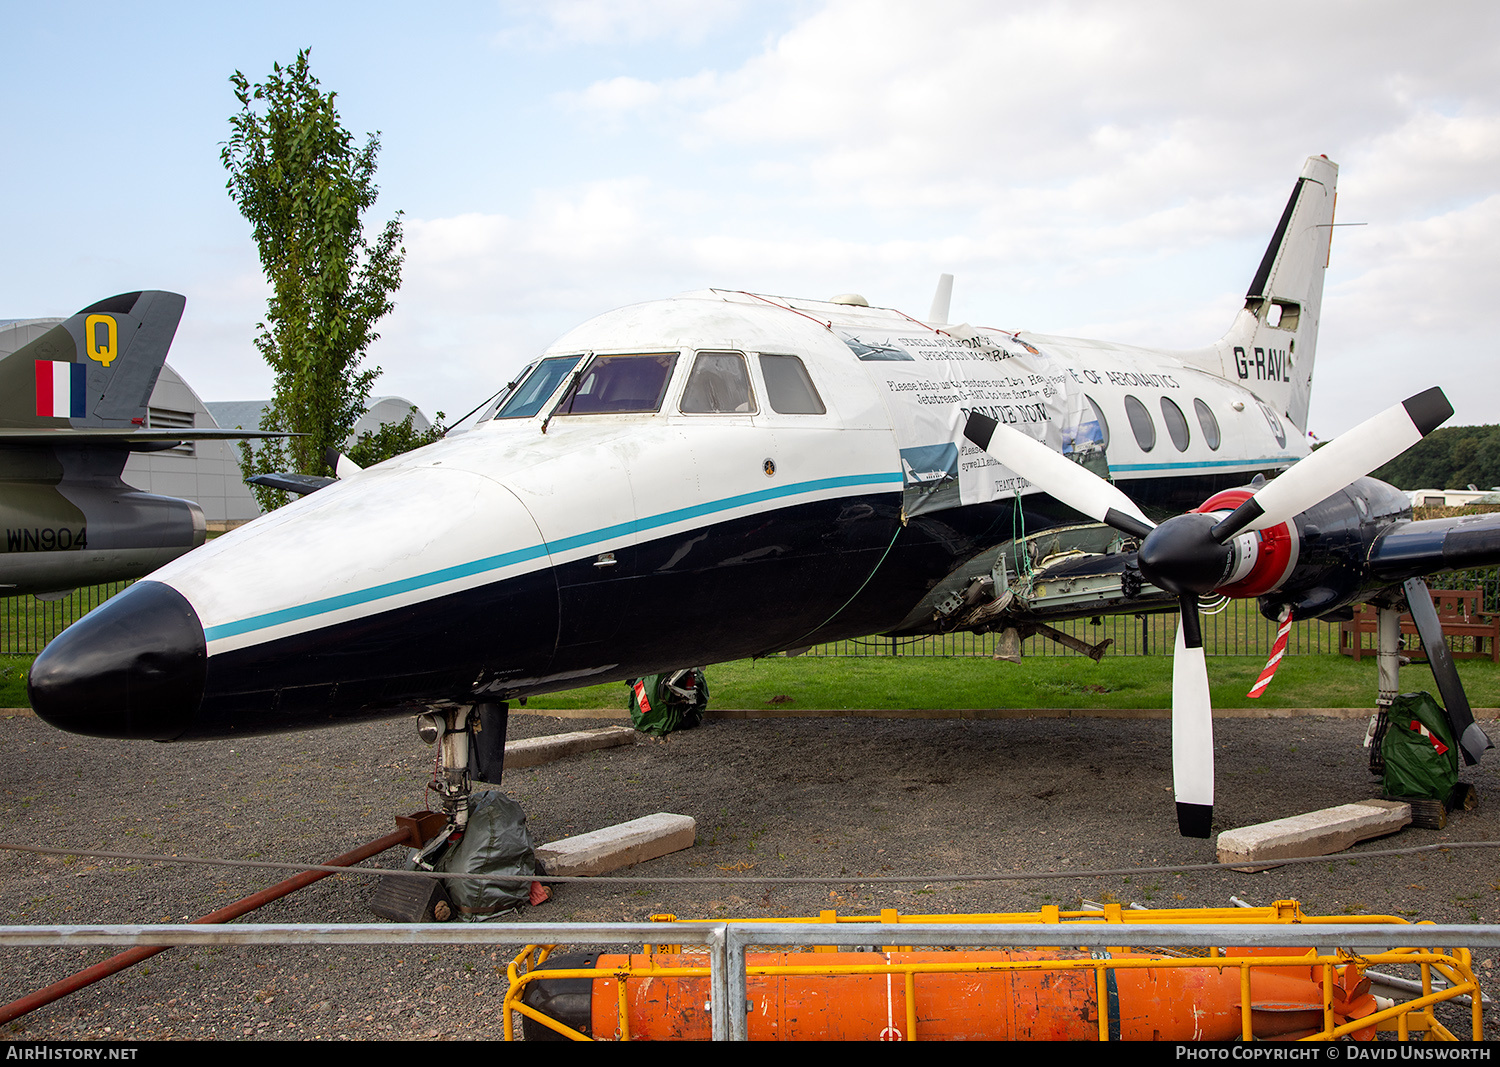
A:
[(27, 624), (1238, 630)]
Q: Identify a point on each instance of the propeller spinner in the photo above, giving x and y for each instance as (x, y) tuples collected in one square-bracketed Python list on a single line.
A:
[(1192, 555)]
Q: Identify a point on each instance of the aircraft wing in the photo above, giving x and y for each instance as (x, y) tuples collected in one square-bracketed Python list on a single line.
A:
[(135, 440), (300, 484), (1429, 546)]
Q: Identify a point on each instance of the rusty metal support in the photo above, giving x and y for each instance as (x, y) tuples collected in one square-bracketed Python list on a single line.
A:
[(407, 835), (1067, 640)]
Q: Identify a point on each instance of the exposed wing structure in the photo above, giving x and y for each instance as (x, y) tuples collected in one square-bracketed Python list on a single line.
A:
[(1208, 551)]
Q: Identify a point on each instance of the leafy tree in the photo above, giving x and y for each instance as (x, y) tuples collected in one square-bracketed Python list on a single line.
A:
[(296, 174), (1450, 457), (394, 438)]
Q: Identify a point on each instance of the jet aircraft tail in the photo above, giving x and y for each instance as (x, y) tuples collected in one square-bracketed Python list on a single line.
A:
[(94, 370), (1273, 342)]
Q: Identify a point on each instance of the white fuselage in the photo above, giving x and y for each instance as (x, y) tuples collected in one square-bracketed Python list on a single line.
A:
[(518, 496)]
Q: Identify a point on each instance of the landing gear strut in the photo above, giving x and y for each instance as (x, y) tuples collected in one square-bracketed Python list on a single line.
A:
[(472, 746)]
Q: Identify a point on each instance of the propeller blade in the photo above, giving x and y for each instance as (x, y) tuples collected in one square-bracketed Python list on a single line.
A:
[(341, 465), (1055, 474), (1472, 740), (1192, 727), (1350, 455)]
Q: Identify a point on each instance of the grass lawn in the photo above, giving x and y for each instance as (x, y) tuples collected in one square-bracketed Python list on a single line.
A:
[(966, 682), (891, 674), (13, 681), (1115, 683)]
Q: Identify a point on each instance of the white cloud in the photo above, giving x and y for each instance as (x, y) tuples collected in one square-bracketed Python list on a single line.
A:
[(1084, 167), (1097, 164), (624, 21), (618, 95), (1116, 105)]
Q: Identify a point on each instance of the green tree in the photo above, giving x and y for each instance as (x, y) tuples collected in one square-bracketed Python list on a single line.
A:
[(296, 174), (394, 438), (1450, 457)]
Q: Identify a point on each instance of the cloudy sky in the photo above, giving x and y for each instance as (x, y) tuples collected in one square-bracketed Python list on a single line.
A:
[(1106, 170)]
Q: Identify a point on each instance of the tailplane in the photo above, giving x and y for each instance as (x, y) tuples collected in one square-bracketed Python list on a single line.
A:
[(1273, 343), (94, 370)]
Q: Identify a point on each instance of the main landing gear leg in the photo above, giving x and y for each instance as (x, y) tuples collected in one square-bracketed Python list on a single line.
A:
[(1388, 661), (472, 749), (412, 900)]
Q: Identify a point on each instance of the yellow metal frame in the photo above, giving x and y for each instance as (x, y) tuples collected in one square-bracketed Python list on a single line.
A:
[(1455, 965)]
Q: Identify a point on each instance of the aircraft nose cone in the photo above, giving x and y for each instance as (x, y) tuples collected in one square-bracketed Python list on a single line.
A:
[(131, 668)]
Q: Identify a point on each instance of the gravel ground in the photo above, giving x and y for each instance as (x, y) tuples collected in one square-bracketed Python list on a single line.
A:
[(842, 797)]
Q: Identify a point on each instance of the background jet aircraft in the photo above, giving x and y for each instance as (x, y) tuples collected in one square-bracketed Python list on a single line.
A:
[(720, 475), (73, 400)]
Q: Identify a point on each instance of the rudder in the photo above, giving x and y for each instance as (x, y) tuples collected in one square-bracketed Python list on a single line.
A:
[(94, 369), (1272, 346)]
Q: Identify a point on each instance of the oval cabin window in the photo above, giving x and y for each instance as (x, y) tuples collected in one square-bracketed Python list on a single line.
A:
[(1177, 424), (1140, 423), (1208, 423)]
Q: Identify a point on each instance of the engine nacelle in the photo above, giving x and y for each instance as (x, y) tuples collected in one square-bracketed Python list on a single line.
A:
[(1319, 561)]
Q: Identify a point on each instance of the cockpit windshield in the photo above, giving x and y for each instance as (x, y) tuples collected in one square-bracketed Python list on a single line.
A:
[(620, 384), (540, 384)]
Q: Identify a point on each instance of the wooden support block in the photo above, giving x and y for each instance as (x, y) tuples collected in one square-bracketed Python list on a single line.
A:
[(602, 851), (1317, 833), (1426, 813)]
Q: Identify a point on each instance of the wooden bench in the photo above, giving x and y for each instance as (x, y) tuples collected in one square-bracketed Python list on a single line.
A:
[(1460, 612)]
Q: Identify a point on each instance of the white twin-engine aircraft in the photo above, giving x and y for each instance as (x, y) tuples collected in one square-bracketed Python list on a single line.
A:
[(722, 475)]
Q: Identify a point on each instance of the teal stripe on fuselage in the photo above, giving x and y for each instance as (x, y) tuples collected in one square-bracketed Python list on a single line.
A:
[(1255, 464), (523, 555)]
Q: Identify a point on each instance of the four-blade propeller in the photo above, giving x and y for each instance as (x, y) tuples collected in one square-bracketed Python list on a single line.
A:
[(1192, 555)]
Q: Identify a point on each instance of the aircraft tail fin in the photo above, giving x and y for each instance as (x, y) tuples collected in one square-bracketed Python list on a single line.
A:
[(1273, 343), (95, 369)]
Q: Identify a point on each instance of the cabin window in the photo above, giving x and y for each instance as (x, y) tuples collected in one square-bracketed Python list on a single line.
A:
[(533, 392), (1100, 419), (719, 385), (789, 390), (1140, 423), (613, 385), (1209, 424), (1177, 424)]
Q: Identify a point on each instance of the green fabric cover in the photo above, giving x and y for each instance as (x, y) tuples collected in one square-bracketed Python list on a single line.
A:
[(661, 703), (496, 841), (1419, 764)]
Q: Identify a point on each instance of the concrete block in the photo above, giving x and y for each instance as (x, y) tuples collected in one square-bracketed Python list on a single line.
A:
[(1317, 833), (534, 751), (602, 851)]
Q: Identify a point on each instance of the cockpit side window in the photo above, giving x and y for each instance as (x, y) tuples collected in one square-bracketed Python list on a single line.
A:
[(789, 390), (620, 385), (540, 384), (719, 384)]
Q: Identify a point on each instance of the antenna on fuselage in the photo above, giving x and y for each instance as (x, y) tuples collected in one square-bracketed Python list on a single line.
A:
[(938, 316)]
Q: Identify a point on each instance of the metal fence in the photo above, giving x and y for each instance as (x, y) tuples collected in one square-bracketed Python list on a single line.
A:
[(27, 624), (1239, 630), (727, 944)]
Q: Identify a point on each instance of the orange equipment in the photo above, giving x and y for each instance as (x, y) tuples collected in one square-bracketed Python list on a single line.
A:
[(936, 995)]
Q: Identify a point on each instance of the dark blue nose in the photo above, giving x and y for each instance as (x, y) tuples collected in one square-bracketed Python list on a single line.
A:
[(132, 667)]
